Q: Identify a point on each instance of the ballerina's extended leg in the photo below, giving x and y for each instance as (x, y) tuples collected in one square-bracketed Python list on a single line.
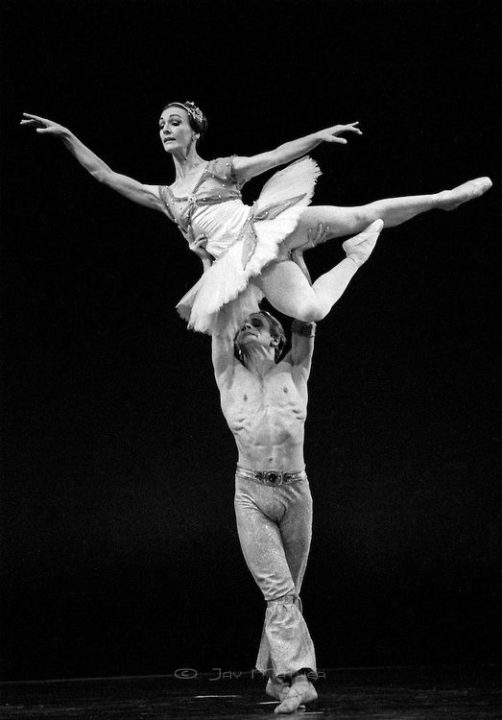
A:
[(393, 211), (287, 288)]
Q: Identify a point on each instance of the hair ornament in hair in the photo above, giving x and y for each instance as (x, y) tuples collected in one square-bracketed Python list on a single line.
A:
[(195, 112)]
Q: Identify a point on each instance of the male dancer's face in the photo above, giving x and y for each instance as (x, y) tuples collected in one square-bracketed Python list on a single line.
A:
[(256, 330)]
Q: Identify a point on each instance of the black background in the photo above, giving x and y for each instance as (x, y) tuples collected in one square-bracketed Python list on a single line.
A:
[(119, 551)]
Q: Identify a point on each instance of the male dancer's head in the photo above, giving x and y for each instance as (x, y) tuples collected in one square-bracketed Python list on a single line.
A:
[(261, 333)]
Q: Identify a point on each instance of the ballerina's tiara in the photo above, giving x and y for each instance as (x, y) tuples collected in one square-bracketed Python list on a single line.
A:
[(194, 111)]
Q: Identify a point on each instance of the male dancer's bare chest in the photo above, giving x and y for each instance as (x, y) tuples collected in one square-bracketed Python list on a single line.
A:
[(256, 399)]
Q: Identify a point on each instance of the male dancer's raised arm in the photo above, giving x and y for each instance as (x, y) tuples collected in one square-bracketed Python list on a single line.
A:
[(222, 351)]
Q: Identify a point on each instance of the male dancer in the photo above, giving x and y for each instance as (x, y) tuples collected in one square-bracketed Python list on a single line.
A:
[(264, 401)]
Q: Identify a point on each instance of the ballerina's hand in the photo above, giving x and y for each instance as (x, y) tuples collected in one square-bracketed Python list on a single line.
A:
[(331, 134), (199, 248), (42, 125)]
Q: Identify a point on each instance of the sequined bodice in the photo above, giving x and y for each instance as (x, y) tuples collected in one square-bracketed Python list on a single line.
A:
[(215, 186)]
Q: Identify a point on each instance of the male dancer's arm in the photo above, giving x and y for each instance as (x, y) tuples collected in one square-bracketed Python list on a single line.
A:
[(224, 361), (302, 349)]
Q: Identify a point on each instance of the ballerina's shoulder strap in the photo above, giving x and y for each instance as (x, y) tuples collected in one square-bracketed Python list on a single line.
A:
[(223, 170), (164, 196)]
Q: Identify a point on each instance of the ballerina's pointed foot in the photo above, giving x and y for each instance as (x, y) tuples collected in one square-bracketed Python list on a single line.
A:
[(301, 691), (360, 247), (451, 199)]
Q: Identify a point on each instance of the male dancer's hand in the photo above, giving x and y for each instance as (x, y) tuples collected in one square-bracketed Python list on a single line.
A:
[(315, 236)]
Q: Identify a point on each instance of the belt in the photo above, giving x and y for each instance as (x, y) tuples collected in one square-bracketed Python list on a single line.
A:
[(270, 477)]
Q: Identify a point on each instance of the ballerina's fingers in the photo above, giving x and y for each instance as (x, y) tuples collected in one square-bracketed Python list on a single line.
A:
[(36, 124), (40, 124), (349, 127), (29, 122), (35, 117)]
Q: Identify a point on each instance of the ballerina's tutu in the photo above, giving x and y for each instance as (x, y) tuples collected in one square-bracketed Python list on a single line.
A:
[(226, 293)]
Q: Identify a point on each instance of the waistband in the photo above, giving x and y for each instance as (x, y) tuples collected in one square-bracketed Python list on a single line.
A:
[(270, 477)]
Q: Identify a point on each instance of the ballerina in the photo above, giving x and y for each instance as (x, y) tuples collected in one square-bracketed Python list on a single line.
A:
[(252, 252)]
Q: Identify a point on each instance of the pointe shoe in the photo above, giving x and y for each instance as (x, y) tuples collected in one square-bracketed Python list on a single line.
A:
[(451, 199), (360, 247), (298, 694)]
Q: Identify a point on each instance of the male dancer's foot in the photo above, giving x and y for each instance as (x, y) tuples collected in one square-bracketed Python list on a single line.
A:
[(359, 248), (277, 688), (451, 199), (300, 692)]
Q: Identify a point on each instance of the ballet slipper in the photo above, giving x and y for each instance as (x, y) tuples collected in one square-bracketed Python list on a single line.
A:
[(451, 199), (359, 248)]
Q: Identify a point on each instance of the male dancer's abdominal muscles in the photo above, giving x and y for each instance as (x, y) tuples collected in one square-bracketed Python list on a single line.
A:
[(282, 456)]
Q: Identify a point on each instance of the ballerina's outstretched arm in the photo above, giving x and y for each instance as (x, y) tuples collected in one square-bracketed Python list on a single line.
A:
[(345, 221), (132, 189), (247, 167)]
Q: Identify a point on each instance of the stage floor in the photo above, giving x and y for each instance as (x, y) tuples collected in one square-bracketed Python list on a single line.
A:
[(345, 694)]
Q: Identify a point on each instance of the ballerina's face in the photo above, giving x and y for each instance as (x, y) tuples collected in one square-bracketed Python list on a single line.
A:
[(175, 130)]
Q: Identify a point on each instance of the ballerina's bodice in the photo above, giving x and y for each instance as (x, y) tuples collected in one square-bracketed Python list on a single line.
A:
[(213, 214), (241, 239)]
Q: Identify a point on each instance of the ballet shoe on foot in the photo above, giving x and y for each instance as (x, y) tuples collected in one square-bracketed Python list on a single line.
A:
[(360, 247), (451, 199), (297, 695)]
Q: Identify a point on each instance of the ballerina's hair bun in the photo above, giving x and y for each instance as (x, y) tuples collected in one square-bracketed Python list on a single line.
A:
[(196, 118)]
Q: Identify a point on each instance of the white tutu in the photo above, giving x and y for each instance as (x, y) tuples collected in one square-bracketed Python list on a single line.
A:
[(226, 294)]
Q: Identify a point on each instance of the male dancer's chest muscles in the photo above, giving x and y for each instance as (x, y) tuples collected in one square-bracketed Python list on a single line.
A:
[(264, 404)]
